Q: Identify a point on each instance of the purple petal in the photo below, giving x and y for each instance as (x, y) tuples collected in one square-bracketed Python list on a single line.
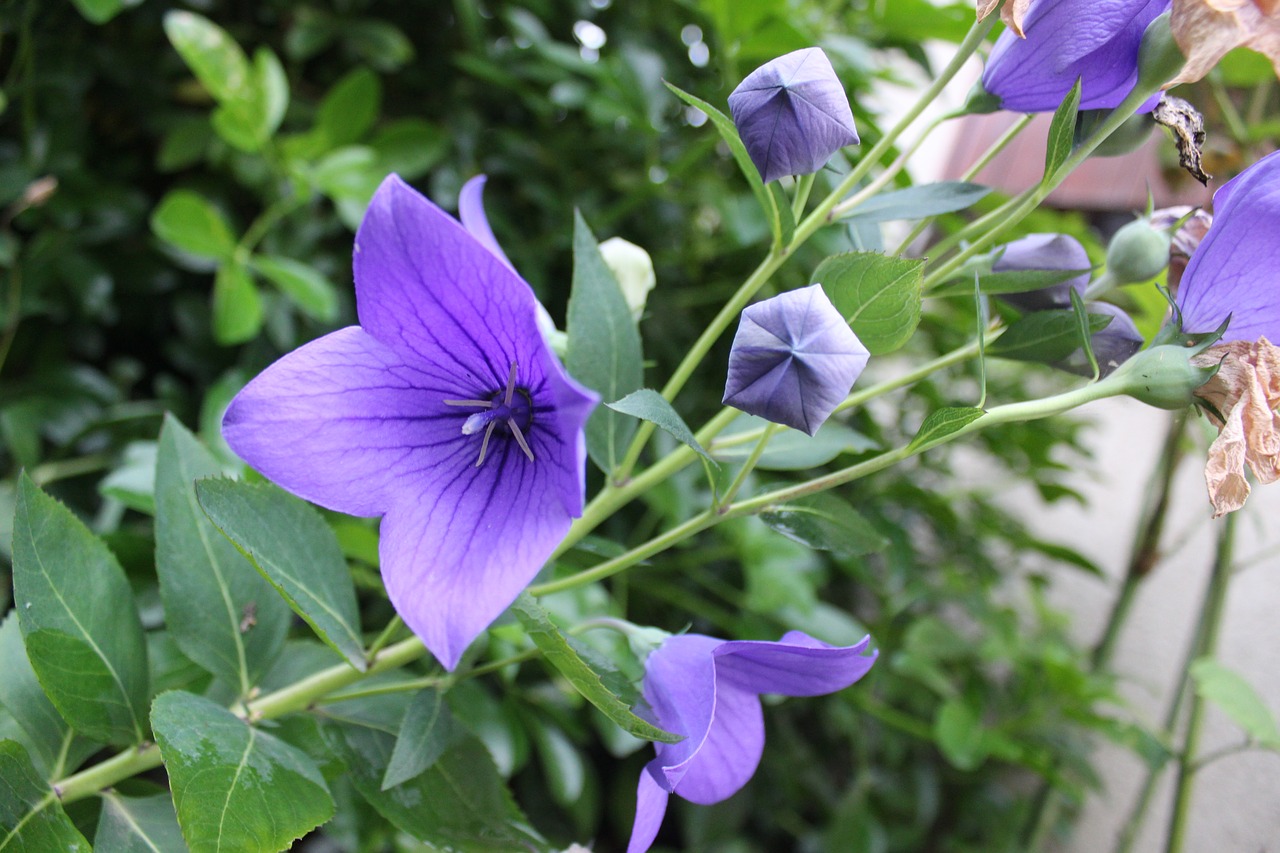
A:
[(1233, 271), (651, 807), (1094, 40), (797, 665), (793, 360), (792, 114), (1045, 252), (471, 212), (1118, 342), (343, 422)]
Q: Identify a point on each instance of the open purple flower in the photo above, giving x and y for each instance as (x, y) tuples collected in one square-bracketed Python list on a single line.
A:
[(444, 412), (792, 114), (1233, 270), (1095, 41), (709, 691), (793, 359)]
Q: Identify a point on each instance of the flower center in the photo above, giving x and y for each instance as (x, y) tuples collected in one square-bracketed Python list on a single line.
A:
[(510, 409)]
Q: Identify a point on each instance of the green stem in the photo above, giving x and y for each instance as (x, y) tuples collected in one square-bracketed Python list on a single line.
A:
[(748, 466), (383, 638), (804, 186)]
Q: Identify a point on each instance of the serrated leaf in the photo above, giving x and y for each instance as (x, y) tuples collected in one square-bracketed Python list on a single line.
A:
[(188, 221), (237, 305), (918, 202), (792, 450), (138, 825), (584, 678), (1237, 699), (295, 550), (1062, 131), (651, 406), (83, 635), (604, 347), (221, 613), (826, 523), (303, 284), (235, 787), (959, 733), (31, 818), (942, 423), (1044, 336), (427, 731), (1006, 281), (879, 296)]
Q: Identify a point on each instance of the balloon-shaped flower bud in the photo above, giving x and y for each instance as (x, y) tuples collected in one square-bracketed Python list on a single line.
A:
[(633, 268), (793, 359), (792, 114), (1049, 252), (1137, 252), (1163, 376)]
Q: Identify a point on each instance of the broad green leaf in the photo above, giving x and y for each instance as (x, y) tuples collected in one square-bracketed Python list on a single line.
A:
[(303, 284), (78, 617), (221, 613), (918, 202), (826, 523), (585, 678), (1062, 131), (942, 423), (427, 731), (604, 347), (235, 787), (31, 818), (187, 220), (212, 55), (349, 109), (1237, 699), (134, 482), (651, 406), (138, 825), (959, 733), (1044, 336), (237, 305), (878, 295), (1006, 281), (729, 133), (789, 449), (293, 548)]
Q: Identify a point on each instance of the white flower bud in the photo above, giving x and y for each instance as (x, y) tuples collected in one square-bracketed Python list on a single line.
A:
[(633, 268)]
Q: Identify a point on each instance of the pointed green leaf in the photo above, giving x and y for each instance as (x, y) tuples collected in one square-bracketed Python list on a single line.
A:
[(188, 221), (138, 825), (212, 55), (31, 818), (427, 731), (826, 523), (81, 627), (303, 284), (918, 202), (585, 678), (1006, 281), (235, 787), (221, 613), (1062, 132), (1044, 336), (604, 347), (879, 296), (1237, 699), (942, 423), (349, 108), (293, 548), (271, 90), (651, 406), (237, 305)]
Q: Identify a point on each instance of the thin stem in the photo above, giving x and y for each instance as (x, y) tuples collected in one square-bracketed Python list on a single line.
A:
[(748, 466), (803, 187), (383, 638), (890, 172)]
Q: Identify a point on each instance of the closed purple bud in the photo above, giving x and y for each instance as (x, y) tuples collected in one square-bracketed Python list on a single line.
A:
[(1115, 344), (792, 114), (1233, 270), (793, 359), (1045, 252), (1095, 41)]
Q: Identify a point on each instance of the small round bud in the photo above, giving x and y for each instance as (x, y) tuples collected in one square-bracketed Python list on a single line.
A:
[(1137, 252), (1163, 376), (1159, 57)]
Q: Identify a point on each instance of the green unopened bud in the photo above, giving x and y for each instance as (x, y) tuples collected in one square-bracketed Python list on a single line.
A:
[(644, 640), (1163, 376), (633, 268), (1137, 252), (1159, 57)]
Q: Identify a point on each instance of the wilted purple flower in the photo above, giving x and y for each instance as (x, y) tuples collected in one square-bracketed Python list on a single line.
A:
[(1233, 271), (709, 691), (792, 114), (793, 359), (443, 411), (1095, 41), (1045, 252)]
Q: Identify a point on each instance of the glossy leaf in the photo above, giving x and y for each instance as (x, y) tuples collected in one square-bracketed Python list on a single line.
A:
[(31, 818), (1062, 131), (79, 621), (138, 825), (942, 423), (427, 731), (188, 221), (826, 523), (879, 296), (212, 55), (235, 787), (651, 406), (296, 551), (221, 613), (918, 202), (303, 284), (237, 305), (1237, 699)]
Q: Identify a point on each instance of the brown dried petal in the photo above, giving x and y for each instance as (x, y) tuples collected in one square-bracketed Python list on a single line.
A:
[(1207, 29), (1012, 14)]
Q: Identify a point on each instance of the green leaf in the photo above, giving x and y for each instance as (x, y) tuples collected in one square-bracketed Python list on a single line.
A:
[(826, 523), (349, 109), (212, 55), (271, 90), (409, 147), (1044, 336), (138, 825), (959, 733), (586, 679), (878, 295), (562, 763), (1062, 131), (303, 284), (942, 423), (99, 11), (1006, 281), (187, 221), (651, 406), (237, 306), (31, 818), (918, 202), (789, 449), (78, 617), (427, 731), (221, 613), (1237, 699), (729, 133), (296, 551), (235, 787), (604, 347), (133, 483)]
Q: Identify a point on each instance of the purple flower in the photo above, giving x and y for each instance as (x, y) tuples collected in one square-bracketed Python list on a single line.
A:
[(709, 691), (1045, 252), (793, 359), (792, 114), (1095, 41), (1112, 346), (1233, 270), (443, 412)]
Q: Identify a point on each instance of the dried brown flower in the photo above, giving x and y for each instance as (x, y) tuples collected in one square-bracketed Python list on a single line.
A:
[(1207, 29), (1012, 14)]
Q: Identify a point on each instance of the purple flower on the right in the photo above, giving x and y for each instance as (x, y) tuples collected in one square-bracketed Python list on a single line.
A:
[(1094, 40)]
